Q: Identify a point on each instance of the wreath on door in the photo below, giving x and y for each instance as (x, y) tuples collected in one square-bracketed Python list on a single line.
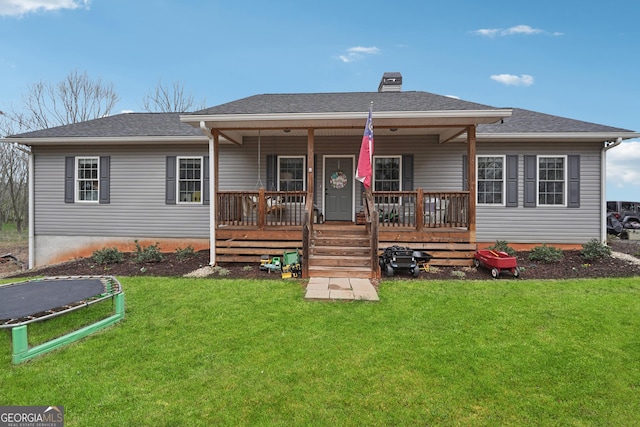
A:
[(338, 180)]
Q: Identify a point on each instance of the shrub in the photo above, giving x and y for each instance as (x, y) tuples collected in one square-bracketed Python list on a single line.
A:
[(107, 256), (546, 254), (503, 246), (594, 249), (185, 253), (150, 253)]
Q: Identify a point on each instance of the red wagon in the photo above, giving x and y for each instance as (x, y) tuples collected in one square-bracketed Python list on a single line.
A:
[(496, 261)]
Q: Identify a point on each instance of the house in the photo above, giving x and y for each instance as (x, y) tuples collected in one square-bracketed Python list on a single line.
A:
[(275, 171)]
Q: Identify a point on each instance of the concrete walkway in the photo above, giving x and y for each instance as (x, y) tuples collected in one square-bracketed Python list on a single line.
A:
[(334, 288)]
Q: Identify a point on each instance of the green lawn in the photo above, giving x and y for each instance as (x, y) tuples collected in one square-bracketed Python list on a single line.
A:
[(238, 352)]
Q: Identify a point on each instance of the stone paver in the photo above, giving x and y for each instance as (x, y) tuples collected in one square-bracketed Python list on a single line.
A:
[(338, 288)]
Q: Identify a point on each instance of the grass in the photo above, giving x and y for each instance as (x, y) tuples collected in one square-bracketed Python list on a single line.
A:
[(239, 352), (9, 234)]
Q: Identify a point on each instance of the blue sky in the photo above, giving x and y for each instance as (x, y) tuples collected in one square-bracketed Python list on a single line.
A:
[(577, 59)]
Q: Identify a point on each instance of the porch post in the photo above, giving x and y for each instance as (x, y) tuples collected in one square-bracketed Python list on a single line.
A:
[(471, 171), (308, 217), (213, 193)]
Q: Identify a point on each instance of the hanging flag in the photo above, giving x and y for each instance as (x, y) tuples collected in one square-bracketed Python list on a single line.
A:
[(364, 170)]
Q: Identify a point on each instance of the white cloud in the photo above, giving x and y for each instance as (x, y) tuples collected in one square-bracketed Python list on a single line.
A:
[(622, 165), (357, 53), (487, 32), (512, 80), (22, 7), (518, 29), (521, 29)]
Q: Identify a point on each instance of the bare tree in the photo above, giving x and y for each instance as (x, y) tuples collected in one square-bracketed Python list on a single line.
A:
[(75, 99), (14, 195), (171, 99)]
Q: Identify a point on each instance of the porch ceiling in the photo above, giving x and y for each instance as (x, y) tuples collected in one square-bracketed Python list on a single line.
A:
[(446, 124)]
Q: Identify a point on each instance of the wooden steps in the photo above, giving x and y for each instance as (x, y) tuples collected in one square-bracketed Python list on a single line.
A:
[(340, 251)]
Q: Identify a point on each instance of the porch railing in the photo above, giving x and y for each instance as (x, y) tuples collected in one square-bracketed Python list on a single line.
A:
[(419, 209), (261, 208), (408, 209)]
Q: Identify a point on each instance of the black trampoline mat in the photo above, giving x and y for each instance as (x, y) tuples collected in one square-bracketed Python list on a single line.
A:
[(32, 297)]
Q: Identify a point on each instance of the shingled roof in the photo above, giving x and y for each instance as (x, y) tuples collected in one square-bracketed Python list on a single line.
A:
[(138, 125), (526, 121), (341, 102), (121, 125)]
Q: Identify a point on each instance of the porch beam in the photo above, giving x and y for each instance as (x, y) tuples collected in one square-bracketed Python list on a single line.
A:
[(280, 127), (471, 172)]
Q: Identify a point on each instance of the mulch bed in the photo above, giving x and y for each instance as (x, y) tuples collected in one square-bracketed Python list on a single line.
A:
[(572, 265)]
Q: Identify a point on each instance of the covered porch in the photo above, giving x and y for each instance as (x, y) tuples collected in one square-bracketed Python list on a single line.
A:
[(246, 224)]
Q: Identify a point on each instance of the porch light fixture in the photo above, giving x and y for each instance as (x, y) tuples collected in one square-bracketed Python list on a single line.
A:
[(286, 130), (393, 129)]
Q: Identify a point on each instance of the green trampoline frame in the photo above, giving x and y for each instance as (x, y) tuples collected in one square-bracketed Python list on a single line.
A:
[(19, 327)]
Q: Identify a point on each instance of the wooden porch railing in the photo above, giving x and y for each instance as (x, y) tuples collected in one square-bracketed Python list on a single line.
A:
[(418, 209), (261, 208)]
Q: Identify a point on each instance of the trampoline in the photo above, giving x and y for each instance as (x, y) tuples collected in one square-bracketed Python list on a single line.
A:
[(35, 300)]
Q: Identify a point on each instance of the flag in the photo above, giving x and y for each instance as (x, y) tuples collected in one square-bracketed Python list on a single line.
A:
[(364, 170)]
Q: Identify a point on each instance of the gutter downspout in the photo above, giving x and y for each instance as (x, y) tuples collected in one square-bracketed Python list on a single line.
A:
[(32, 249), (212, 199), (603, 186)]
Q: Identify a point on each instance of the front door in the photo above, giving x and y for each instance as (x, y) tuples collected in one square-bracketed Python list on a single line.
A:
[(338, 188)]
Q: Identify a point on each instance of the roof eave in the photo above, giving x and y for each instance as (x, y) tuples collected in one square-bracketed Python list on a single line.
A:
[(347, 118), (83, 140), (555, 136)]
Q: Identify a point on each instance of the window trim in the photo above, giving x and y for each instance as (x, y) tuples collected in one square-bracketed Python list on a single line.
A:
[(395, 156), (76, 179), (565, 180), (182, 202), (304, 168), (504, 179)]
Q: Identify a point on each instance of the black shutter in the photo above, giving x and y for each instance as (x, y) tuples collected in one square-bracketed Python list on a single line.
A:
[(105, 180), (206, 197), (530, 172), (574, 181), (512, 181), (170, 185), (465, 173), (272, 172), (407, 172), (69, 178)]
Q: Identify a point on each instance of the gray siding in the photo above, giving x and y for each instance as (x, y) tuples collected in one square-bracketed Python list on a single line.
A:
[(137, 207), (545, 224)]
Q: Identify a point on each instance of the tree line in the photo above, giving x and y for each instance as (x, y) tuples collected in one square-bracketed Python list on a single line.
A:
[(74, 99)]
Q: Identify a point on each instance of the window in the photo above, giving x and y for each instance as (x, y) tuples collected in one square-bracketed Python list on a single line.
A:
[(386, 176), (189, 179), (552, 175), (291, 175), (87, 183), (491, 182)]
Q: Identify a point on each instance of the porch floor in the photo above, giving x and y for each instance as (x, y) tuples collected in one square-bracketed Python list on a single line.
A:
[(340, 288)]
